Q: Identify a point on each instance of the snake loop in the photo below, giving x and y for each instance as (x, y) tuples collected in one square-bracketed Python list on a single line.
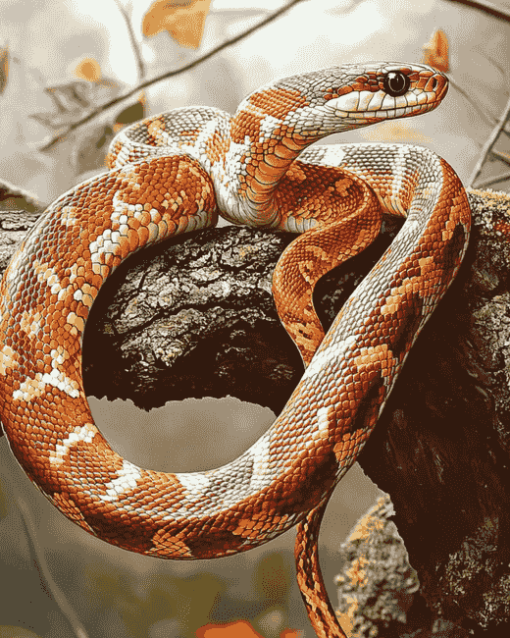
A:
[(172, 174)]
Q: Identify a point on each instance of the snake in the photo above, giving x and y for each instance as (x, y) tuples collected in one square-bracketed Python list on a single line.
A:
[(174, 173)]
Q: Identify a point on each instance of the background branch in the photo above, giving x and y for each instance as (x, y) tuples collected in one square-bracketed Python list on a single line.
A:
[(105, 107), (486, 7), (134, 43)]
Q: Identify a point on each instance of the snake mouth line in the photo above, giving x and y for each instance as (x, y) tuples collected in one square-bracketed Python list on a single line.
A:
[(387, 114)]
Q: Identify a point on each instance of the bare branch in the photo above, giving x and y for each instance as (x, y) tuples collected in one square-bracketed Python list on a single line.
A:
[(487, 149), (134, 43), (490, 121), (104, 107), (486, 7), (490, 181), (41, 565), (504, 157)]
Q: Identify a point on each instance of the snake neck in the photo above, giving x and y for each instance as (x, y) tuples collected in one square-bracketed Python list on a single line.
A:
[(264, 142), (268, 132), (275, 124)]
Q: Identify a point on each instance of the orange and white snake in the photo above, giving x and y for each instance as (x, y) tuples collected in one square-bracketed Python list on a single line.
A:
[(173, 174)]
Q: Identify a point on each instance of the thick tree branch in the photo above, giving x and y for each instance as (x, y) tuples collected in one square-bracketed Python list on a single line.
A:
[(196, 318)]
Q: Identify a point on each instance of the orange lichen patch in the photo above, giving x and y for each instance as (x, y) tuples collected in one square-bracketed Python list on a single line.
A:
[(503, 227), (435, 51), (88, 69), (357, 572), (368, 524), (184, 23), (237, 629), (279, 102)]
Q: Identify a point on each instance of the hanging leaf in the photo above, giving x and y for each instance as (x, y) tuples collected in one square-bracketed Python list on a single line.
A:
[(435, 52), (236, 629), (133, 113), (4, 68), (88, 69), (183, 19)]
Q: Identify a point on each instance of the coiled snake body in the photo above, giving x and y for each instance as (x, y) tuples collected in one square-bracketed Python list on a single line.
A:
[(172, 174)]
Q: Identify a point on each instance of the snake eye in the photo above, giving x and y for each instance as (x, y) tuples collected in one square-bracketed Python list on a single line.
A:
[(396, 83)]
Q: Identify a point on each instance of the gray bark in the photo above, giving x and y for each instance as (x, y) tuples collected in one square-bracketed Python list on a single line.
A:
[(195, 317)]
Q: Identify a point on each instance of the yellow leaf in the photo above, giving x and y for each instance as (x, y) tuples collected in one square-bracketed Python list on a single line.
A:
[(4, 68), (237, 629), (435, 52), (183, 19), (88, 69)]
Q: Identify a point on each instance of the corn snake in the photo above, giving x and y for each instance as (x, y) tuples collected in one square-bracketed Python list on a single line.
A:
[(172, 174)]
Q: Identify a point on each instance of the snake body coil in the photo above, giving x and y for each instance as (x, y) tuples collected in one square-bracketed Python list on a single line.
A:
[(172, 174)]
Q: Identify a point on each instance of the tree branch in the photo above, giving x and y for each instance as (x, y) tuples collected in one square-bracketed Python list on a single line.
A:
[(196, 318), (486, 7), (143, 85)]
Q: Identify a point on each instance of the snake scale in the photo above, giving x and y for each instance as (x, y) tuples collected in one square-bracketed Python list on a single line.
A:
[(173, 174)]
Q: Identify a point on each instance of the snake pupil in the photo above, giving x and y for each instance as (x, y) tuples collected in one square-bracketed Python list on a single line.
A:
[(396, 83)]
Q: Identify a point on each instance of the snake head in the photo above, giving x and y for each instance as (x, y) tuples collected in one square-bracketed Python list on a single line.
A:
[(373, 92)]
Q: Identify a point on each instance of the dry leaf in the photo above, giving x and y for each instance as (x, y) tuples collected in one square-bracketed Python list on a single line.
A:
[(238, 629), (88, 69), (4, 68), (435, 52), (133, 113), (183, 19)]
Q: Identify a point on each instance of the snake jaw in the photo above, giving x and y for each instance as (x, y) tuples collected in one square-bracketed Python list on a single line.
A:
[(362, 96), (365, 107)]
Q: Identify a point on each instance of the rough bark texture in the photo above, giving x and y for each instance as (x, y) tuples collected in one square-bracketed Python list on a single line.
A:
[(196, 318)]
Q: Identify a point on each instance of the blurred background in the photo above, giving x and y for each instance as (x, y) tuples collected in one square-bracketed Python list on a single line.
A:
[(73, 73)]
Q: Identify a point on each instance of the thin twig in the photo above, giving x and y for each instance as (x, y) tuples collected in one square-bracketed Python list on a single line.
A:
[(493, 180), (134, 43), (165, 76), (486, 7), (40, 560), (490, 121), (487, 148), (504, 157), (492, 61)]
